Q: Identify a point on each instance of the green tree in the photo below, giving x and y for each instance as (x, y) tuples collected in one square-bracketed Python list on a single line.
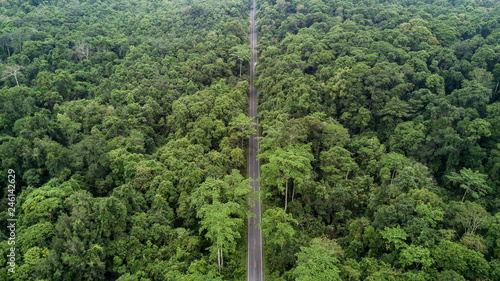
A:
[(233, 188), (407, 138), (473, 217), (474, 242), (241, 53), (70, 127), (244, 126), (338, 160), (452, 256), (417, 256), (285, 164), (279, 236), (493, 237), (472, 182), (222, 228), (316, 263), (449, 275), (394, 236)]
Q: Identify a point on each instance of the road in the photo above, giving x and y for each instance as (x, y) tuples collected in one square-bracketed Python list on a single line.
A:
[(255, 269)]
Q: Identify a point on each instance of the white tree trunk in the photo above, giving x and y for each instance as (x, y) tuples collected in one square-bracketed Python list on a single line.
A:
[(218, 258)]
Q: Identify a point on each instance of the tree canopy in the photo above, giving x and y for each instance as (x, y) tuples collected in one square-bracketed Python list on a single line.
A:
[(126, 124)]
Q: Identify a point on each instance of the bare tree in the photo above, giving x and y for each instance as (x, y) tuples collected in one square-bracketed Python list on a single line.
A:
[(473, 217), (12, 70), (83, 50)]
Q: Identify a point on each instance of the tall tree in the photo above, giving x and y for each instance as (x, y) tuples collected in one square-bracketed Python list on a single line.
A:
[(12, 71), (280, 238), (83, 50), (472, 182), (241, 53), (316, 263), (290, 163), (244, 126), (222, 228), (337, 161)]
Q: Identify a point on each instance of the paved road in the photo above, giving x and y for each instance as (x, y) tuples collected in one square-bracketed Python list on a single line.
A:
[(255, 270)]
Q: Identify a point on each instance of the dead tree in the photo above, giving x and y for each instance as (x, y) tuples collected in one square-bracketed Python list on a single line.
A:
[(83, 50), (12, 70)]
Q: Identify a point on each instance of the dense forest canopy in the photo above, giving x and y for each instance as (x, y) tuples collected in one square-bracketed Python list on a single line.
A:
[(125, 129), (389, 112), (126, 125)]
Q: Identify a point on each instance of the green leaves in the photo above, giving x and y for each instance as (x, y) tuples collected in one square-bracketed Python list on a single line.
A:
[(472, 94), (417, 256), (407, 138), (493, 238), (111, 217), (241, 53), (453, 256), (222, 229), (289, 163), (316, 263), (45, 203), (244, 126), (337, 162), (472, 182), (473, 216), (222, 206), (233, 188), (376, 121), (279, 238), (277, 226), (395, 236)]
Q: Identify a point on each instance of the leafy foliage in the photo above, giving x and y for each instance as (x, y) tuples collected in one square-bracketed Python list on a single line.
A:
[(126, 122)]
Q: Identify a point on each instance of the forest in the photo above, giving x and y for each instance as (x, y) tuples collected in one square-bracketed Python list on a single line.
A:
[(125, 125)]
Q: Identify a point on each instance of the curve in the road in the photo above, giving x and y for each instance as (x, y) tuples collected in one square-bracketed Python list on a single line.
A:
[(255, 269)]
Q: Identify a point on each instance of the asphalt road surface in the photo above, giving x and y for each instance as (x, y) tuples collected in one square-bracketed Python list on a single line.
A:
[(255, 270)]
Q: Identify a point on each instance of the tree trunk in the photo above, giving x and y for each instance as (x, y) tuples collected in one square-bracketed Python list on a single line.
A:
[(347, 175), (463, 198), (242, 136), (17, 82), (241, 62), (286, 194), (218, 258), (293, 192), (394, 173), (494, 93)]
